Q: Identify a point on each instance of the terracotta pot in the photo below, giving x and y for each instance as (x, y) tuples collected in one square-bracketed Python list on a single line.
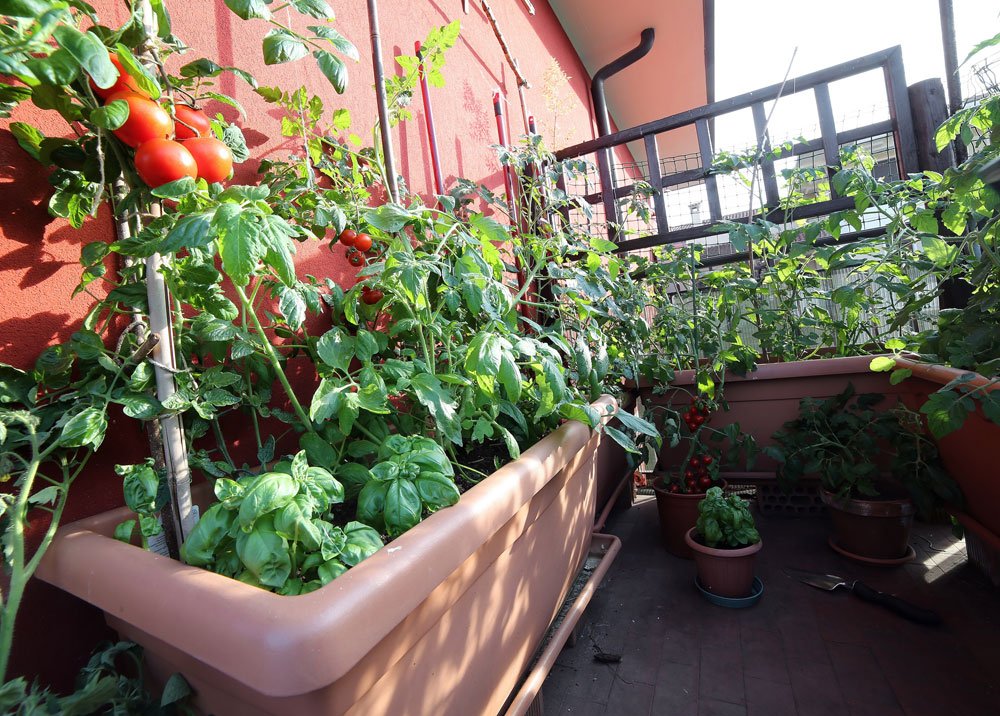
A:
[(876, 529), (724, 572), (763, 400), (678, 513), (970, 454), (444, 620)]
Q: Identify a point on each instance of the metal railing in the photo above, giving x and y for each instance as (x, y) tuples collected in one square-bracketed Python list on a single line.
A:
[(611, 188)]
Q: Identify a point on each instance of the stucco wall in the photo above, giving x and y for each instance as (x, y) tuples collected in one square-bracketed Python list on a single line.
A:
[(39, 255)]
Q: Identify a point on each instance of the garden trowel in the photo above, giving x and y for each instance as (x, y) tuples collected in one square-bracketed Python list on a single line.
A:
[(829, 582)]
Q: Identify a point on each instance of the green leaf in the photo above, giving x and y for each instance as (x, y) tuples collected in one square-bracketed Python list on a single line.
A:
[(328, 571), (314, 8), (882, 364), (266, 493), (326, 401), (58, 69), (85, 428), (140, 487), (29, 138), (333, 69), (25, 8), (199, 548), (265, 554), (240, 244), (281, 46), (318, 450), (939, 251), (432, 395), (144, 79), (436, 490), (191, 232), (175, 690), (362, 542), (491, 229), (90, 52), (389, 217), (175, 189), (249, 9), (925, 222), (945, 411), (898, 376), (124, 531), (402, 507), (141, 407), (341, 43), (232, 137), (292, 307), (111, 116), (336, 349)]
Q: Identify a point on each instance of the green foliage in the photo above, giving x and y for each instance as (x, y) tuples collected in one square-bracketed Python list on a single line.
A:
[(849, 444), (111, 683), (274, 530), (412, 475), (725, 521)]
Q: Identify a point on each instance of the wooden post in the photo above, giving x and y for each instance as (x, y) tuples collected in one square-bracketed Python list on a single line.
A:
[(929, 106)]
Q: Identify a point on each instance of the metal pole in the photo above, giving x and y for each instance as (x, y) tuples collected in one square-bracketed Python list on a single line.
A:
[(952, 79), (383, 103), (429, 116)]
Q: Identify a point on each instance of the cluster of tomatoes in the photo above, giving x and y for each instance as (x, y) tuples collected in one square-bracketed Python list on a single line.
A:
[(165, 151), (358, 245), (696, 415), (698, 475)]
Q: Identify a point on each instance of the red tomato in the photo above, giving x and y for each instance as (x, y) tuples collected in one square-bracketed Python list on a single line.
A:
[(215, 161), (371, 296), (200, 126), (704, 482), (355, 259), (688, 474), (674, 489), (124, 83), (694, 462), (706, 460), (362, 242), (160, 161), (146, 120), (698, 420), (347, 237)]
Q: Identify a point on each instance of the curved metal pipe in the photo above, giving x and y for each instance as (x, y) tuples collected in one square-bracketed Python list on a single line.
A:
[(612, 68)]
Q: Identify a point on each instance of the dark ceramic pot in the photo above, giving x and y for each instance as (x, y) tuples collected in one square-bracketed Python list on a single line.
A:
[(678, 513), (873, 529)]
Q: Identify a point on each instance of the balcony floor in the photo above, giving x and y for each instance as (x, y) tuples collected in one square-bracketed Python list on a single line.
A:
[(798, 651)]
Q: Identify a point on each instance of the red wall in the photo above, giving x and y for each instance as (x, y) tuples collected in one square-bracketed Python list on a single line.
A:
[(39, 255)]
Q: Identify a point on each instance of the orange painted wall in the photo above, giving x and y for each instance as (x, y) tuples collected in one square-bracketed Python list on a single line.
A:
[(39, 255)]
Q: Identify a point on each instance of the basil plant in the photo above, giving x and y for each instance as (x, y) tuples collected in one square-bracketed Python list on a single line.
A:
[(269, 530)]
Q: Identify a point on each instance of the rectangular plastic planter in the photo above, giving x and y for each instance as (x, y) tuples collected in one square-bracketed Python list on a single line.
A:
[(442, 621)]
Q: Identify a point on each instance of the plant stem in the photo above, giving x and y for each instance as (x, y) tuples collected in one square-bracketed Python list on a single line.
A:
[(275, 361)]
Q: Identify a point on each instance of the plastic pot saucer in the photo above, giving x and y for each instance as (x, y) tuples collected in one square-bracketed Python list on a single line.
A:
[(734, 602)]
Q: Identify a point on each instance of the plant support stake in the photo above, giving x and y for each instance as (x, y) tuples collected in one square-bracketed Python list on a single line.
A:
[(383, 103), (164, 366), (429, 120), (503, 45)]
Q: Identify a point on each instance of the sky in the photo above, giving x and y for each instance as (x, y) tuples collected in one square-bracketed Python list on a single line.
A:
[(756, 40)]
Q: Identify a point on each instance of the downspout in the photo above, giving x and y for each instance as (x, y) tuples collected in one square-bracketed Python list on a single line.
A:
[(613, 68)]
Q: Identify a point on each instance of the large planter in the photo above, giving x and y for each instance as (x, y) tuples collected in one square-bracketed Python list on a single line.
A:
[(724, 572), (970, 455), (678, 513), (765, 399), (876, 530), (444, 620)]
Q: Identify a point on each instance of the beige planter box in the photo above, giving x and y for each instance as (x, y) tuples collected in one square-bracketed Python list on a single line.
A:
[(442, 621)]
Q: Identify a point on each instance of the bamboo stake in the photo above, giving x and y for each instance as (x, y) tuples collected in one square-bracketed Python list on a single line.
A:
[(165, 365), (503, 44), (383, 102)]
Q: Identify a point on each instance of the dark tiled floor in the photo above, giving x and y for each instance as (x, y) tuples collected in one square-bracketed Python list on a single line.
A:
[(798, 651)]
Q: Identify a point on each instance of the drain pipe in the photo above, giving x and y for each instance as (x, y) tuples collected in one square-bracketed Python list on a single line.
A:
[(613, 68)]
